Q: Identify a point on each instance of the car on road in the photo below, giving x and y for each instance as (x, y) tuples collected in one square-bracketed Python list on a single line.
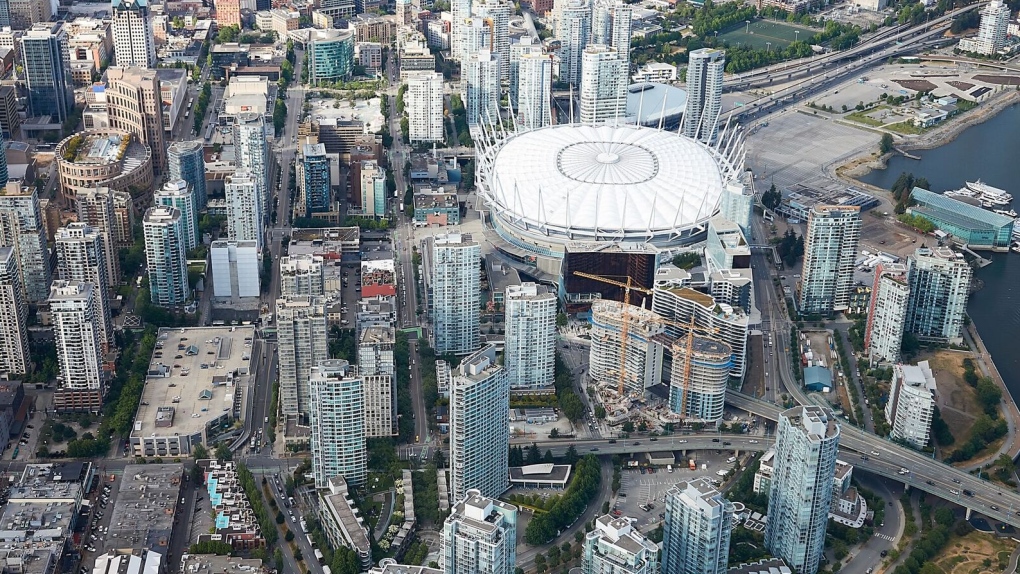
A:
[(956, 480), (993, 507), (954, 492), (875, 453)]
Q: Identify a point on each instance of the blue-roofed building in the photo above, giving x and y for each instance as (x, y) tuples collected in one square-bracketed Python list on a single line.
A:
[(817, 378), (968, 224)]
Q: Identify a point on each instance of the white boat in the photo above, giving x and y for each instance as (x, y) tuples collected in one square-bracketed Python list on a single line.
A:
[(1006, 212), (990, 194)]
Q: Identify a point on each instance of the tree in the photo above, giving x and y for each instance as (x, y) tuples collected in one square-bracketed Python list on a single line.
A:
[(886, 144), (771, 198), (561, 319), (289, 536), (687, 260), (628, 427), (555, 433), (548, 457), (223, 452), (534, 455), (280, 519), (571, 456), (199, 451)]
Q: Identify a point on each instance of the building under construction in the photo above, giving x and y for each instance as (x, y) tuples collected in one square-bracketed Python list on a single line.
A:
[(636, 365), (698, 379)]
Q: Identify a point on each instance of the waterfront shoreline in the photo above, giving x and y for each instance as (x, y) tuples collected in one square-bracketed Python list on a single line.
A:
[(857, 167)]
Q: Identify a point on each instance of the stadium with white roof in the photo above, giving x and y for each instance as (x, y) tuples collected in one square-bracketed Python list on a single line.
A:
[(552, 189)]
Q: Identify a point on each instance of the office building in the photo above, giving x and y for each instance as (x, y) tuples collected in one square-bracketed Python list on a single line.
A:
[(911, 404), (887, 313), (696, 530), (530, 341), (47, 71), (21, 226), (14, 351), (572, 29), (165, 256), (830, 251), (480, 87), (534, 90), (807, 443), (641, 366), (479, 427), (939, 287), (704, 94), (244, 208), (76, 332), (698, 379), (301, 275), (133, 42), (373, 189), (301, 335), (186, 160), (251, 153), (330, 55), (177, 193), (228, 13), (616, 546), (992, 33), (604, 81), (337, 423), (479, 536), (424, 104), (497, 13), (377, 368), (81, 256), (235, 268), (455, 294), (135, 105), (315, 178)]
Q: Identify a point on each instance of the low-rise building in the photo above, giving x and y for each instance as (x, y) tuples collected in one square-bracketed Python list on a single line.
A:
[(655, 72), (343, 525), (148, 501), (205, 393), (436, 206), (235, 522)]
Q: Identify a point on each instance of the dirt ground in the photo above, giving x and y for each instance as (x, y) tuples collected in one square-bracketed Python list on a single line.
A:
[(1006, 80), (957, 402), (975, 553), (961, 85), (917, 85)]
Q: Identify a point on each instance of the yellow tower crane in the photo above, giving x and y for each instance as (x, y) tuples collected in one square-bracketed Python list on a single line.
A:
[(690, 327)]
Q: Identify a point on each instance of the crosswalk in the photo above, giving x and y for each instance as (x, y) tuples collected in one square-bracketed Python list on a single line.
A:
[(884, 536)]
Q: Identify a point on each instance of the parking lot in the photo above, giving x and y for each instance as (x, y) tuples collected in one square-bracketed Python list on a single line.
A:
[(102, 500), (648, 489)]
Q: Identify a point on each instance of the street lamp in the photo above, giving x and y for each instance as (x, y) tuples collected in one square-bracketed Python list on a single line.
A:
[(747, 26), (796, 35), (768, 46)]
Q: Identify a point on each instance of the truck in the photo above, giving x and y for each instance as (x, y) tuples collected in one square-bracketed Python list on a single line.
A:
[(318, 555), (693, 465)]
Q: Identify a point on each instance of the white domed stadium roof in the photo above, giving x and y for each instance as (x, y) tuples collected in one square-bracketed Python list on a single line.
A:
[(605, 182)]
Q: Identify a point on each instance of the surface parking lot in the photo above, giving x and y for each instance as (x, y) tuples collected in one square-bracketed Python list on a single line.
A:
[(638, 489)]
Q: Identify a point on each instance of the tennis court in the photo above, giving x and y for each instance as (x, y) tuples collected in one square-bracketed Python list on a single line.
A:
[(761, 32)]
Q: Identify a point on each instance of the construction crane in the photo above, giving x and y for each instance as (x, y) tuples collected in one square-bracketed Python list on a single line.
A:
[(625, 328), (690, 327)]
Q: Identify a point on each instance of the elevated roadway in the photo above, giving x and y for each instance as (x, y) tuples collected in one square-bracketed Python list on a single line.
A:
[(883, 458)]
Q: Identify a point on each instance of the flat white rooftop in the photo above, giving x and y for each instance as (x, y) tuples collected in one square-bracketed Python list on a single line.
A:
[(195, 371)]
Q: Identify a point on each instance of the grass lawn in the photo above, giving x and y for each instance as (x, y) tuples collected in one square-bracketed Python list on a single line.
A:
[(906, 128), (760, 32), (864, 117)]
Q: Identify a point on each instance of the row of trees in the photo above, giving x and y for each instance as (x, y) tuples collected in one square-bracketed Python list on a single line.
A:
[(202, 105), (543, 528), (563, 382)]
